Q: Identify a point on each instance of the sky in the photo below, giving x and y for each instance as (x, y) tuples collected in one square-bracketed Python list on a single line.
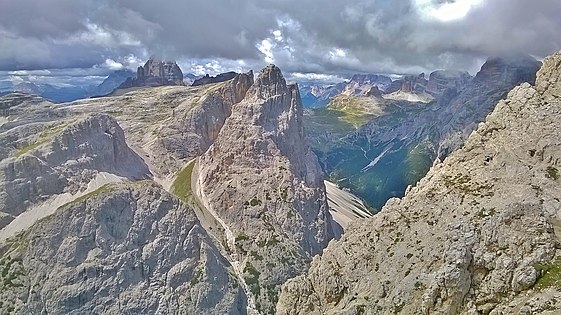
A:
[(81, 41)]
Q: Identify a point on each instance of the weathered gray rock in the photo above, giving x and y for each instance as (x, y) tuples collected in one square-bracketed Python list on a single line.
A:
[(192, 130), (261, 178), (155, 73), (441, 80), (126, 248), (469, 238), (65, 158)]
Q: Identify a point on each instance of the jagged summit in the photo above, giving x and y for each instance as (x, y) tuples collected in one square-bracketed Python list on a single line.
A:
[(270, 82), (155, 73), (262, 179)]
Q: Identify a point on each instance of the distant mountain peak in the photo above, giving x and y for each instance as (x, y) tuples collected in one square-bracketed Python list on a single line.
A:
[(156, 73), (207, 79)]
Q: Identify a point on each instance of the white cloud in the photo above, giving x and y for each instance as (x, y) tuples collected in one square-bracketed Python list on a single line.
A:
[(278, 35), (326, 78), (29, 72), (266, 48), (446, 11), (95, 34), (112, 64)]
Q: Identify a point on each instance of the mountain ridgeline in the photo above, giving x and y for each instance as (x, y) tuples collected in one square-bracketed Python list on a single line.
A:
[(209, 199)]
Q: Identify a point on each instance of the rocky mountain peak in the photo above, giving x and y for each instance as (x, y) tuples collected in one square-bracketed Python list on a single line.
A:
[(155, 73), (441, 80), (262, 179), (373, 92), (414, 84), (508, 70), (269, 83)]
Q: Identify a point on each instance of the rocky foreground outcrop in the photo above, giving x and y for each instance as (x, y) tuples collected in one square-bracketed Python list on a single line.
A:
[(263, 181), (128, 248), (478, 235)]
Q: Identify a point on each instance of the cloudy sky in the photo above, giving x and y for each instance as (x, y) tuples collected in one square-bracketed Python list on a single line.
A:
[(84, 40)]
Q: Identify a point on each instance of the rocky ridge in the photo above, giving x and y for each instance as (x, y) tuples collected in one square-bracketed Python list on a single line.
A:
[(207, 79), (477, 235), (124, 248), (265, 184)]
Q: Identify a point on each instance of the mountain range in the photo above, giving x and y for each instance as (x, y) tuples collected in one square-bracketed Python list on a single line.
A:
[(115, 80), (378, 145), (212, 199)]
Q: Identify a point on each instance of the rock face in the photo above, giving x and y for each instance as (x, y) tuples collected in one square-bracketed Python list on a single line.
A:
[(261, 178), (442, 80), (155, 73), (65, 158), (475, 235), (216, 79), (507, 69), (123, 249), (414, 84), (191, 132), (373, 92)]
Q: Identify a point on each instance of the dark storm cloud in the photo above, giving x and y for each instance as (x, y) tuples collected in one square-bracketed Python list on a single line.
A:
[(393, 34), (305, 36)]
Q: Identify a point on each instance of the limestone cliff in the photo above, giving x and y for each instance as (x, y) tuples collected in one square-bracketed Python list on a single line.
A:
[(441, 80), (193, 128), (64, 158), (128, 248), (263, 181), (478, 235)]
